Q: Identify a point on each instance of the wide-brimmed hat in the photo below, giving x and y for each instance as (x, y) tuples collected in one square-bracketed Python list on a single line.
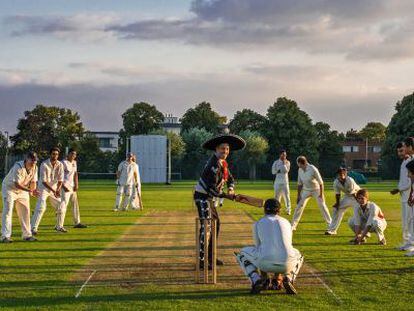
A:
[(235, 142)]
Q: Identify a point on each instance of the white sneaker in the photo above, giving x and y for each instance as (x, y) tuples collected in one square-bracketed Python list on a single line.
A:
[(405, 247), (115, 209)]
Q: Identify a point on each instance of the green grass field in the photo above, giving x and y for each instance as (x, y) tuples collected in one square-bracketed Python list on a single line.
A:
[(38, 275)]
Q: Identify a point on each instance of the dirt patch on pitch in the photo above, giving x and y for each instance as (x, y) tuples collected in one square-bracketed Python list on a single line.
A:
[(160, 249)]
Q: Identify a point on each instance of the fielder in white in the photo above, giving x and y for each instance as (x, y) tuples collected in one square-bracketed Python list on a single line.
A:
[(347, 185), (50, 183), (404, 186), (367, 218), (410, 207), (310, 184), (69, 192), (280, 169), (17, 187), (127, 178), (273, 251), (136, 200)]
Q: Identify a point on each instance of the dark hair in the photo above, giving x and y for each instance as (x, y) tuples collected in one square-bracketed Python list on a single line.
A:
[(72, 150), (400, 145), (301, 160), (409, 141), (363, 192), (54, 149), (32, 156), (271, 207), (410, 166), (341, 169), (281, 151)]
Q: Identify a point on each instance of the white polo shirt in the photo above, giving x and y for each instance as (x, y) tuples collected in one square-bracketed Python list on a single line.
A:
[(349, 188), (404, 183), (19, 174), (50, 174), (366, 218), (281, 170), (70, 169), (310, 178), (273, 238), (127, 171)]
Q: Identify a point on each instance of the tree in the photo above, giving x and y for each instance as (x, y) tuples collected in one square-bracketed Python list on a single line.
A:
[(400, 127), (374, 131), (330, 151), (177, 142), (195, 156), (202, 116), (254, 153), (91, 158), (3, 150), (288, 127), (353, 134), (246, 120), (46, 127)]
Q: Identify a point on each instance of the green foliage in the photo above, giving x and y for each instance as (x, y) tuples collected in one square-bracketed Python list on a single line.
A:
[(3, 149), (330, 149), (374, 131), (202, 116), (195, 156), (288, 127), (254, 153), (400, 127), (45, 127), (177, 142), (246, 120)]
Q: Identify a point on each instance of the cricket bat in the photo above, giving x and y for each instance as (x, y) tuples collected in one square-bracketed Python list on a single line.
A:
[(245, 199)]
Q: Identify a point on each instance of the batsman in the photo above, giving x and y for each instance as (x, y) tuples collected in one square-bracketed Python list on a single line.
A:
[(215, 176)]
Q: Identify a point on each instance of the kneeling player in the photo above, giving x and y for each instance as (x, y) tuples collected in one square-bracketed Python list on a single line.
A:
[(273, 252), (367, 218)]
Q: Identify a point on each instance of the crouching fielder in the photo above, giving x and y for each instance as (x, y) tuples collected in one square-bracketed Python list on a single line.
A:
[(347, 185), (273, 251), (367, 218)]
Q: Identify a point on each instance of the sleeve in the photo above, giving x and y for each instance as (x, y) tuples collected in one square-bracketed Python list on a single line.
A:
[(18, 174), (404, 183), (317, 175), (61, 172), (209, 178), (357, 217), (230, 181), (43, 173), (36, 172), (274, 168), (300, 181), (256, 238), (336, 187)]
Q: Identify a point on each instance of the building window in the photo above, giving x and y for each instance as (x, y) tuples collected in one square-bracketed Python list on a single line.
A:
[(377, 149), (105, 142), (355, 148), (346, 149)]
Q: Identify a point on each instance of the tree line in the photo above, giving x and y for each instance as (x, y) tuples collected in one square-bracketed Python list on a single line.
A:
[(284, 126)]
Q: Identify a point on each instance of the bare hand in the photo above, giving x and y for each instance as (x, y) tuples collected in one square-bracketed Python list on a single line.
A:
[(35, 193), (57, 194)]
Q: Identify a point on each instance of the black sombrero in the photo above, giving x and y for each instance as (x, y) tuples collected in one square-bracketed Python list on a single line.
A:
[(235, 142)]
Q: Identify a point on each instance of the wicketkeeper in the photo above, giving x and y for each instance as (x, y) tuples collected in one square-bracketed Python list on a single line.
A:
[(215, 176)]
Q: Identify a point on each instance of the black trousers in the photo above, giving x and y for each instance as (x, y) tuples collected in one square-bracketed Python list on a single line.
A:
[(206, 209)]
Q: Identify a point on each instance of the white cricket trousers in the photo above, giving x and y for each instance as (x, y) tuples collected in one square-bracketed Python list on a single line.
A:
[(290, 268), (304, 198), (379, 225), (123, 195), (283, 191), (66, 198), (20, 200), (41, 207), (338, 213), (406, 222)]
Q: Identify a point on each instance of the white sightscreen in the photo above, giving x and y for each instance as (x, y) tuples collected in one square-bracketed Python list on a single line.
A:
[(151, 152)]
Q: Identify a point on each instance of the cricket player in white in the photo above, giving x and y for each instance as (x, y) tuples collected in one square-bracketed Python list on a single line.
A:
[(69, 192), (410, 207), (17, 187), (50, 183), (404, 186), (347, 185), (310, 184), (367, 218), (273, 251), (281, 168), (127, 178), (136, 201)]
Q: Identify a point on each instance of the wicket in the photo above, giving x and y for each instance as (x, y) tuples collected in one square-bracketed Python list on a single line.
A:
[(210, 228)]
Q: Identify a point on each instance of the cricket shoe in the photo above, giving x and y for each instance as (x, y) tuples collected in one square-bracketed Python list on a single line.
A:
[(115, 210), (30, 239), (288, 285), (275, 284), (288, 213), (34, 232), (328, 232), (61, 230), (405, 247), (80, 226), (257, 287), (6, 240), (382, 242)]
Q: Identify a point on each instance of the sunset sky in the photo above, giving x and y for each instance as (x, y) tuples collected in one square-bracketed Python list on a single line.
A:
[(344, 62)]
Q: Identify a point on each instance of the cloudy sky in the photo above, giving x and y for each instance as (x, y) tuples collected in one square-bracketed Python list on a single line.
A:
[(344, 62)]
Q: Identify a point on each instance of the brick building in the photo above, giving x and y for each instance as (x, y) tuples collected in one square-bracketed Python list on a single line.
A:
[(361, 154)]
